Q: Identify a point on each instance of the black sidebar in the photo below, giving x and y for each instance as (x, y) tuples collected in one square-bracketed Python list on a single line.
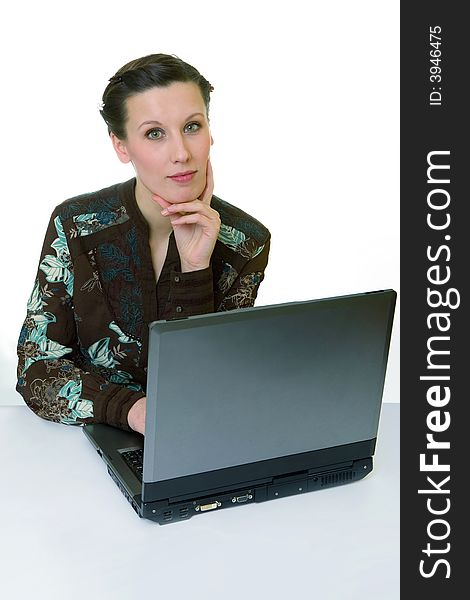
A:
[(434, 298)]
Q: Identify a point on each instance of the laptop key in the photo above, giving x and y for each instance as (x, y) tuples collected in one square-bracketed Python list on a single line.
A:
[(134, 459)]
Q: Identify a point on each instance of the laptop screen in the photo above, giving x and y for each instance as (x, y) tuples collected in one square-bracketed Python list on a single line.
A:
[(234, 388)]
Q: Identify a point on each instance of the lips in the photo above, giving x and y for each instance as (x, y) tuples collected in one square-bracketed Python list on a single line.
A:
[(182, 177), (182, 173)]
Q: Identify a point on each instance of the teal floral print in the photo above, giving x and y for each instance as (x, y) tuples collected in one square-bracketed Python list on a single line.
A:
[(75, 206), (65, 404), (117, 263), (59, 268), (89, 223), (228, 276), (230, 236), (239, 242), (121, 272), (58, 396), (100, 355), (103, 357), (82, 350), (79, 408), (122, 337), (36, 345), (244, 295)]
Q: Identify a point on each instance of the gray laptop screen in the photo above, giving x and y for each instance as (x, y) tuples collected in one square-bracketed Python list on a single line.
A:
[(234, 388)]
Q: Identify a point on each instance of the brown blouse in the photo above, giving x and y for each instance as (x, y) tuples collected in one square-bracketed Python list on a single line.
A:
[(83, 347)]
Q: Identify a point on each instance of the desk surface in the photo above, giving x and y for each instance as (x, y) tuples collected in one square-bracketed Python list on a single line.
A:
[(68, 532)]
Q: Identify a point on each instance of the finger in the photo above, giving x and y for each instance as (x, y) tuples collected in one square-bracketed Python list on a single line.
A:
[(187, 207), (193, 218)]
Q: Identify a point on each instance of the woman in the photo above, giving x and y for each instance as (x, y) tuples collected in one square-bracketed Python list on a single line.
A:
[(159, 246)]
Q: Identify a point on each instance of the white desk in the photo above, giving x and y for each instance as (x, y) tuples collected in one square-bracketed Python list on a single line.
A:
[(67, 532)]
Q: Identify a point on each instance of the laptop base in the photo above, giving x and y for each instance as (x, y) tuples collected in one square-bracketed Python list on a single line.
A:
[(164, 512)]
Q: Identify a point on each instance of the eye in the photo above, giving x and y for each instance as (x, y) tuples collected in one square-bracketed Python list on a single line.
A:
[(154, 134), (192, 127)]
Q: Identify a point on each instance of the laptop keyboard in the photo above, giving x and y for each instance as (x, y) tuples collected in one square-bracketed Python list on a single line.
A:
[(135, 460)]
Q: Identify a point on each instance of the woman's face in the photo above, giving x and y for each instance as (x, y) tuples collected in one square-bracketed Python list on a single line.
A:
[(167, 134)]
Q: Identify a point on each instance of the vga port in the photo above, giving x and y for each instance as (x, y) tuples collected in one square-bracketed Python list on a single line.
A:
[(243, 498)]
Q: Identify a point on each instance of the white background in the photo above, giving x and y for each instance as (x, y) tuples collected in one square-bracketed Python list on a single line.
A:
[(69, 534), (305, 118)]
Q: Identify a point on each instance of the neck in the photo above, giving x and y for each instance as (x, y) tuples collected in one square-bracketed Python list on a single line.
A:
[(159, 225)]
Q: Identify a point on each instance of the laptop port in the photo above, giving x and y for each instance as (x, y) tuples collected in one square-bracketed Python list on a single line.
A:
[(210, 506), (243, 498)]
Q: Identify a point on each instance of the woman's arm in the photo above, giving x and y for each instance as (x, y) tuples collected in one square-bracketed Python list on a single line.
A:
[(242, 288), (53, 377)]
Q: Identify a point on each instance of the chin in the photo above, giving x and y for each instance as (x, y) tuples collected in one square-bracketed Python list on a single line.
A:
[(187, 194)]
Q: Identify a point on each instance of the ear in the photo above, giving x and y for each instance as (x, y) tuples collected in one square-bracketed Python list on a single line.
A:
[(120, 148), (212, 140)]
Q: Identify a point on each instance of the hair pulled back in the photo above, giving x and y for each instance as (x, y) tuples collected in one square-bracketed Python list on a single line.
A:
[(154, 70)]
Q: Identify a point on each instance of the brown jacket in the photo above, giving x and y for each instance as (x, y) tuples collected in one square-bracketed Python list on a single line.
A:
[(83, 346)]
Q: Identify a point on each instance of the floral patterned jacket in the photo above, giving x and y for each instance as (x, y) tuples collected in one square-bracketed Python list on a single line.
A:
[(83, 346)]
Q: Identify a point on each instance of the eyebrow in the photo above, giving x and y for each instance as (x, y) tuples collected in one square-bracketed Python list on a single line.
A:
[(153, 122)]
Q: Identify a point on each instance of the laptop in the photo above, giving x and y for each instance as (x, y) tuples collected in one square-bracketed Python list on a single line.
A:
[(254, 404)]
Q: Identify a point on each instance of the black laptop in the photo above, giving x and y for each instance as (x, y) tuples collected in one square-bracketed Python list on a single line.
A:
[(254, 404)]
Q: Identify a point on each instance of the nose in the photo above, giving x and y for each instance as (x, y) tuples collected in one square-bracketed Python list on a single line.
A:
[(179, 149)]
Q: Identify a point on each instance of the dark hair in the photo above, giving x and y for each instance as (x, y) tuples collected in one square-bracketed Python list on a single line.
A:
[(154, 70)]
